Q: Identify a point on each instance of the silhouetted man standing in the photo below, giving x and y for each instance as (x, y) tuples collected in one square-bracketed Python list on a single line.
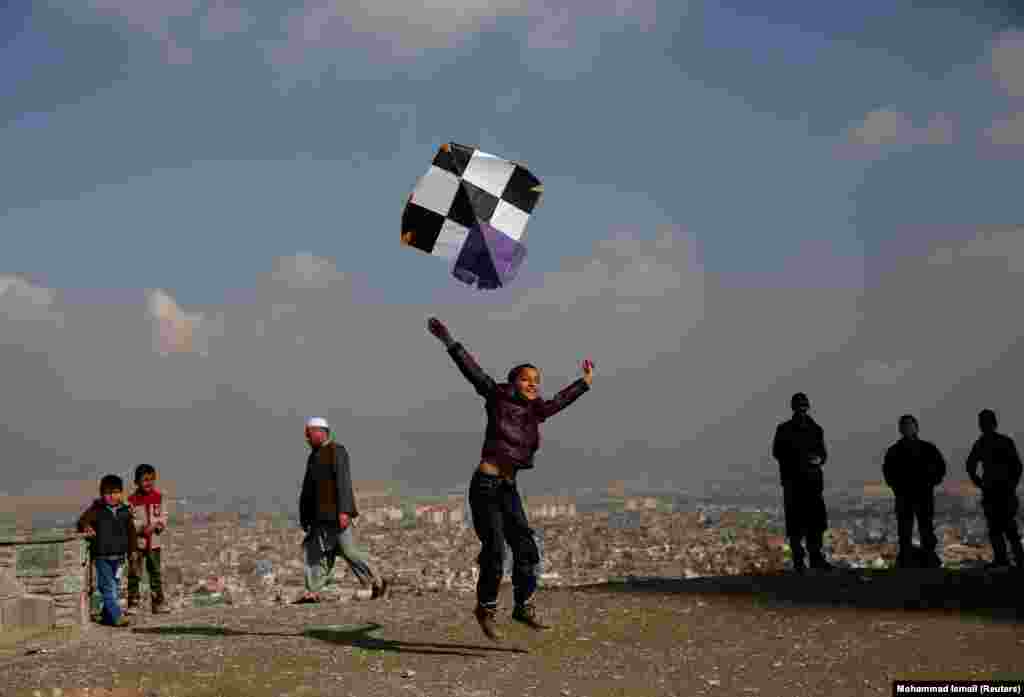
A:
[(799, 447), (912, 469), (998, 483)]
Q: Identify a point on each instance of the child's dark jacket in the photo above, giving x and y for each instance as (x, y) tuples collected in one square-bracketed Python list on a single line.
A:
[(327, 487), (513, 423), (115, 529)]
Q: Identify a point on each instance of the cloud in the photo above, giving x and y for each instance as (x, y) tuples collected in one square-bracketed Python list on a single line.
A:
[(888, 127), (1008, 131), (22, 301), (174, 330), (690, 365), (404, 28), (1007, 58), (875, 372), (304, 270), (1000, 244), (165, 21), (395, 30), (154, 18), (222, 19)]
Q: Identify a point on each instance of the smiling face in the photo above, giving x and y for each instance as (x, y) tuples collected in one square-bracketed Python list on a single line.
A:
[(112, 497), (527, 383), (147, 482)]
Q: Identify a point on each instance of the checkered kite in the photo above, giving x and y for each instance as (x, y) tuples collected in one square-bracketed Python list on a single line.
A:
[(472, 207)]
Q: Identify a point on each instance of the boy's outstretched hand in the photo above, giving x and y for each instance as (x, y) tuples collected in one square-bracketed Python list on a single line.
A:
[(588, 371), (437, 328)]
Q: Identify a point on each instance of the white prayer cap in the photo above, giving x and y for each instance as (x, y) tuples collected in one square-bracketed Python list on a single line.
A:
[(317, 422)]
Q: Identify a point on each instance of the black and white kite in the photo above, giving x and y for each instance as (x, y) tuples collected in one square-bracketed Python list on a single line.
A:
[(472, 207)]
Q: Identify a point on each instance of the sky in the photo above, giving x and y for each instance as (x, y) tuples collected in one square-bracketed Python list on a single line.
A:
[(199, 243)]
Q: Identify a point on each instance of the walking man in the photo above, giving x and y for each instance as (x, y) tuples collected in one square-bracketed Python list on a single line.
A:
[(799, 448), (913, 468), (327, 507)]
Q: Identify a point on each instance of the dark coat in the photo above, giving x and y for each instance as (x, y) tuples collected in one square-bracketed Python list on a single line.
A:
[(327, 486), (115, 530), (794, 444), (1000, 461), (513, 422), (913, 466)]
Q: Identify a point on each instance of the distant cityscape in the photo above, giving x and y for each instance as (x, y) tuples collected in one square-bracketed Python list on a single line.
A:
[(863, 508)]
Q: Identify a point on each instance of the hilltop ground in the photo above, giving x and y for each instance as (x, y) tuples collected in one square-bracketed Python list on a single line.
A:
[(763, 636)]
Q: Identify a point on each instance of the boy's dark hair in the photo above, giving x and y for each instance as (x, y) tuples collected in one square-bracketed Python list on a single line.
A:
[(110, 483), (142, 470), (909, 418), (513, 374)]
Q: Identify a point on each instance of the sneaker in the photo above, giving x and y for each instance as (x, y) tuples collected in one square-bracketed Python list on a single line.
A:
[(380, 590), (527, 614), (486, 616), (159, 608), (122, 621)]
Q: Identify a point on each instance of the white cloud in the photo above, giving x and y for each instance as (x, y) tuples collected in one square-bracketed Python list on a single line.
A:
[(24, 301), (685, 361), (1008, 131), (175, 331), (1007, 58), (222, 19), (1002, 244), (875, 372), (888, 127), (304, 270)]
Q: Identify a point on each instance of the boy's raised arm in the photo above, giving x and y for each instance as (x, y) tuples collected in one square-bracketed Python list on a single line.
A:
[(570, 394), (567, 396), (483, 383)]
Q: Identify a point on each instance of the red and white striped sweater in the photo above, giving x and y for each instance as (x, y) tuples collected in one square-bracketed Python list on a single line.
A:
[(148, 510)]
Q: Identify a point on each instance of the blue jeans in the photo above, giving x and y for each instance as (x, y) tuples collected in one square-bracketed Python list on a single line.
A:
[(498, 516), (106, 581), (322, 545)]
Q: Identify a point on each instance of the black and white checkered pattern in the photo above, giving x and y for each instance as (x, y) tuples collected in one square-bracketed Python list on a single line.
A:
[(465, 186)]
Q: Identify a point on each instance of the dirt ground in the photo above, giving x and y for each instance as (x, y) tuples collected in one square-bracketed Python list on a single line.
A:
[(841, 634)]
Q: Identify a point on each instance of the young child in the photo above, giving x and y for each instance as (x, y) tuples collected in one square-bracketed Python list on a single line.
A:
[(109, 522), (514, 414), (150, 522)]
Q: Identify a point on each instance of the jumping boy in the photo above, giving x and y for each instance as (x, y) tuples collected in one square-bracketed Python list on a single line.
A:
[(109, 522), (150, 522), (514, 414)]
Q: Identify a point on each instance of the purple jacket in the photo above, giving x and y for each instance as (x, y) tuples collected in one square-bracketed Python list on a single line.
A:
[(513, 423)]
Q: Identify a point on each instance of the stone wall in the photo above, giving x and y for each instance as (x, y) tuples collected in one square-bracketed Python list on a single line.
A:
[(42, 581)]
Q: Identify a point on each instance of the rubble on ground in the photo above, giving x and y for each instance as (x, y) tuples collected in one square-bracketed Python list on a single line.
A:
[(218, 560)]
